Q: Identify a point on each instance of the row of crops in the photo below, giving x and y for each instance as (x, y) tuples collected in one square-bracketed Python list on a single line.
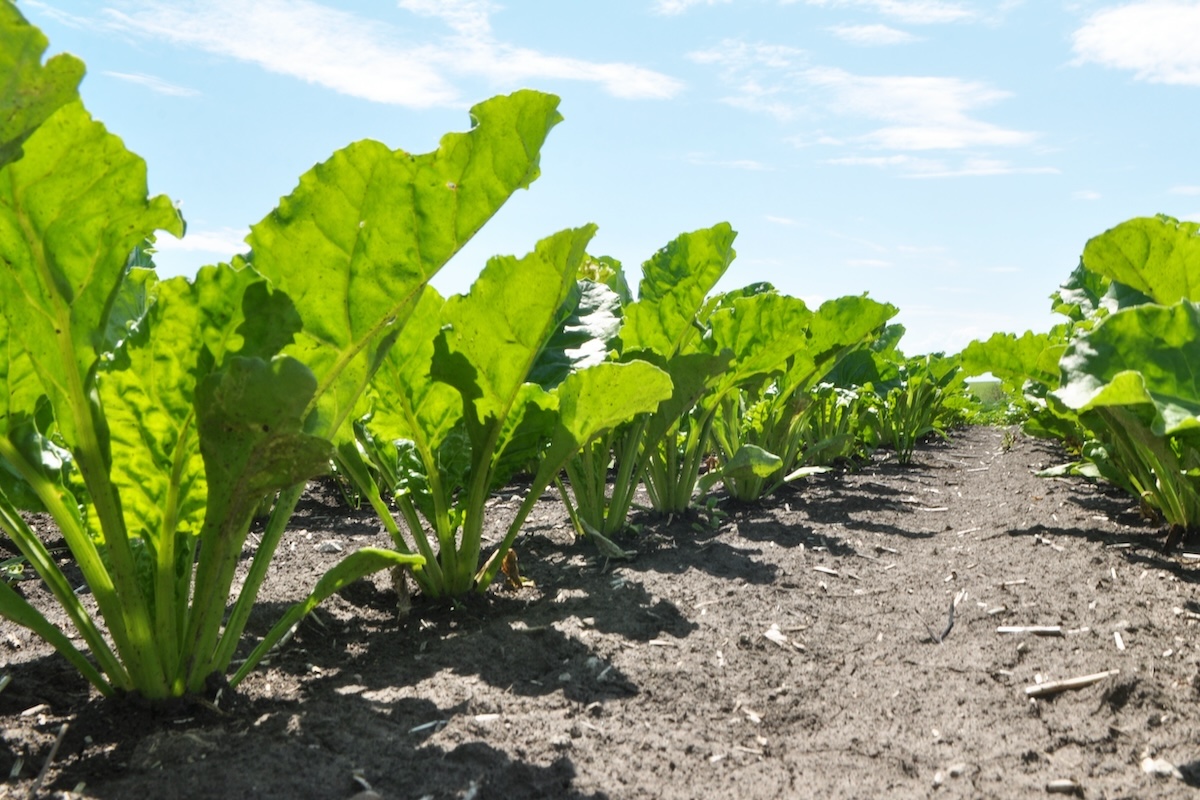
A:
[(153, 419)]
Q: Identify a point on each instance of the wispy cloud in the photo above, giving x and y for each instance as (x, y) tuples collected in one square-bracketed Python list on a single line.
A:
[(221, 242), (672, 7), (928, 113), (707, 160), (914, 167), (1087, 194), (872, 35), (758, 75), (154, 84), (881, 120), (1155, 39), (984, 167), (918, 12), (873, 263), (1185, 190), (371, 59)]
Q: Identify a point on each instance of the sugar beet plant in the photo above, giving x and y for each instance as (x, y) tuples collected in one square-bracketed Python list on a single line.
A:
[(762, 425), (151, 419), (1119, 380), (483, 385)]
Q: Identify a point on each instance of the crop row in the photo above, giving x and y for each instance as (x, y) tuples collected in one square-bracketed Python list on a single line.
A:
[(153, 419)]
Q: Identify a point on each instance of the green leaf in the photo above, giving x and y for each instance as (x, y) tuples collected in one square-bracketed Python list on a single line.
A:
[(591, 319), (750, 461), (362, 233), (71, 211), (1157, 256), (1015, 359), (595, 400), (675, 283), (495, 333), (1141, 355), (762, 330), (31, 91)]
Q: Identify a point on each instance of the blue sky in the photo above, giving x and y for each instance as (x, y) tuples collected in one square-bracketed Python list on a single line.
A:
[(949, 156)]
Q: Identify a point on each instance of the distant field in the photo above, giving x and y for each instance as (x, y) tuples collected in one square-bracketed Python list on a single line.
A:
[(988, 390)]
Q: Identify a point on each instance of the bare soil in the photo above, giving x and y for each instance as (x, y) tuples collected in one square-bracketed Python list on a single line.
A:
[(787, 649)]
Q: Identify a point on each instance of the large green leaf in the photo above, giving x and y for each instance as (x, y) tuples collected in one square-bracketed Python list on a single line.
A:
[(363, 232), (71, 210), (761, 331), (495, 333), (1142, 355), (148, 392), (1157, 256), (591, 319), (30, 90), (675, 283), (595, 400), (1016, 359), (405, 401)]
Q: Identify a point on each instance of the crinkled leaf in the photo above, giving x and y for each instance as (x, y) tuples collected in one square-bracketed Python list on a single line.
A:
[(750, 461), (149, 390), (362, 233), (495, 333), (592, 318), (71, 210), (675, 283), (1015, 359), (250, 416), (1157, 256), (761, 330), (31, 90), (595, 400), (1142, 355)]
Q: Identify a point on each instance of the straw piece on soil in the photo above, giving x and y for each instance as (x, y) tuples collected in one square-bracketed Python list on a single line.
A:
[(1117, 638), (1068, 684), (826, 570), (1018, 582), (37, 783), (1036, 630)]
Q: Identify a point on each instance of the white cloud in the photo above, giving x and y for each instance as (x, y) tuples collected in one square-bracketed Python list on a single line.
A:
[(930, 112), (872, 35), (222, 242), (368, 58), (1087, 194), (912, 167), (984, 167), (671, 7), (1185, 190), (705, 160), (919, 12), (758, 74), (1155, 39), (153, 84)]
